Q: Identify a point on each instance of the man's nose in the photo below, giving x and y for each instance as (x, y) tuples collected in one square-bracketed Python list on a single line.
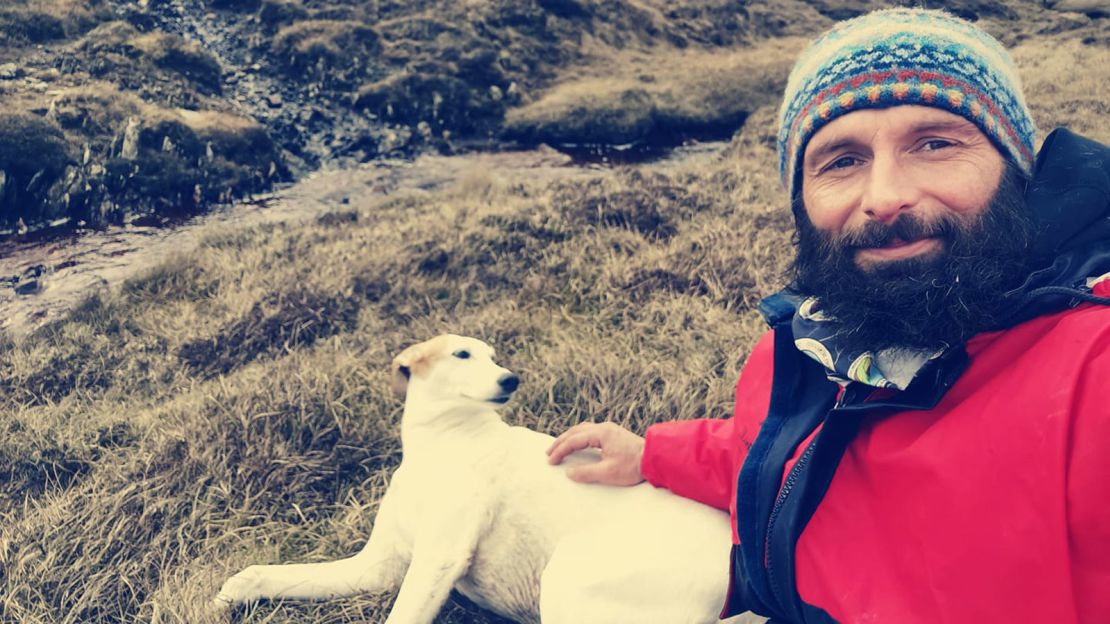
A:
[(889, 190)]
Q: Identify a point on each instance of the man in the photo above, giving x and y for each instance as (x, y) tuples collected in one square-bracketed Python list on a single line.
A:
[(922, 435)]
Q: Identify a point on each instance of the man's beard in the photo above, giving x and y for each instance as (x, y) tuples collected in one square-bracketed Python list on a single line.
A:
[(938, 299)]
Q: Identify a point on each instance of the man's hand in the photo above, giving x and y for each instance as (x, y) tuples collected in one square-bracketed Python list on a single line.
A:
[(621, 452)]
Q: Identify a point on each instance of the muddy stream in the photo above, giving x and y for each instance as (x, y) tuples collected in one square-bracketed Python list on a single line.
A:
[(40, 280)]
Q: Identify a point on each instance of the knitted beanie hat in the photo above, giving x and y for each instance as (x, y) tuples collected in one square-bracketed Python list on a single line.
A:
[(904, 56)]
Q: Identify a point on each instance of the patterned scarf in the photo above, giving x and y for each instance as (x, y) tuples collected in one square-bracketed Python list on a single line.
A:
[(818, 336)]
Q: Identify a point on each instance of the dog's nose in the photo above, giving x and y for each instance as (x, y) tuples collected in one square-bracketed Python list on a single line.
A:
[(508, 382)]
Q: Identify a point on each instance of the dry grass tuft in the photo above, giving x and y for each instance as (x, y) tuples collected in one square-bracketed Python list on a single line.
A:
[(652, 96), (322, 46)]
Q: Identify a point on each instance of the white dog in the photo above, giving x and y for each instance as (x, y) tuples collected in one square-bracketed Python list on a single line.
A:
[(476, 507)]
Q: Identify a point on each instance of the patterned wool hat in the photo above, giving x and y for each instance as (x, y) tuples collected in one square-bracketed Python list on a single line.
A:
[(904, 56)]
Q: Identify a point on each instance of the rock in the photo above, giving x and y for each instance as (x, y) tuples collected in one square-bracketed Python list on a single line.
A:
[(26, 287), (274, 100), (29, 282), (10, 71), (130, 149), (35, 180)]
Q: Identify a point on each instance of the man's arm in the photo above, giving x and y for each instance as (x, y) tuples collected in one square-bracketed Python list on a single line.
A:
[(697, 459)]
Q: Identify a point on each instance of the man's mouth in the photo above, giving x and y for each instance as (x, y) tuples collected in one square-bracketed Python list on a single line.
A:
[(896, 249)]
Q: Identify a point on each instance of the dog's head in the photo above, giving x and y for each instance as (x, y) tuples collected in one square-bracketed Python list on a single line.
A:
[(453, 367)]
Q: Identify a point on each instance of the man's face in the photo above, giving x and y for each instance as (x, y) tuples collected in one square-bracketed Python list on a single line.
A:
[(912, 228), (874, 166)]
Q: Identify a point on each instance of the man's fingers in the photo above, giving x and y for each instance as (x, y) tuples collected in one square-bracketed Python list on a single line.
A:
[(569, 432), (590, 473), (571, 442)]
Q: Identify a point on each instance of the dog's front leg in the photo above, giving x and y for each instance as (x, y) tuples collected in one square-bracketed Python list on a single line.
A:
[(378, 567), (443, 551)]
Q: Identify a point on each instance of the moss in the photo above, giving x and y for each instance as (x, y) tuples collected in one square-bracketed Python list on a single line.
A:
[(23, 26), (325, 48), (29, 144), (589, 115), (116, 51), (186, 58), (235, 5), (24, 22), (97, 111), (276, 13), (33, 155), (182, 159), (690, 95), (236, 139)]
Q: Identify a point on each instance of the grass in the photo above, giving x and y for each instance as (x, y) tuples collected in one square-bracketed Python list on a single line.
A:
[(232, 405), (636, 96)]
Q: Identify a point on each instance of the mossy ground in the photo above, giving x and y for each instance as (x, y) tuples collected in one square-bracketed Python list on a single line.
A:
[(329, 81), (231, 406)]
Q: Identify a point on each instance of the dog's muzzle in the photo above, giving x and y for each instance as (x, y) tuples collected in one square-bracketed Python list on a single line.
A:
[(508, 384)]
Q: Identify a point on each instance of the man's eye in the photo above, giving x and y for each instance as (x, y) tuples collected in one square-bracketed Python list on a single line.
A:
[(933, 145), (841, 163), (462, 355)]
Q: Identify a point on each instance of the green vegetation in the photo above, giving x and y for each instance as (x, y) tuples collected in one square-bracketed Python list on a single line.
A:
[(232, 405)]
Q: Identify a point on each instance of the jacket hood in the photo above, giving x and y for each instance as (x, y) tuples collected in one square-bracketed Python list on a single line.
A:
[(1069, 195), (1069, 201)]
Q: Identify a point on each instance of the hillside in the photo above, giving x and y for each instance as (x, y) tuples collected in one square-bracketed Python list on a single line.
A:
[(117, 110), (231, 405)]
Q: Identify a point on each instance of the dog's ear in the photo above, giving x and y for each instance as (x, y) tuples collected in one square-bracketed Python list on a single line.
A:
[(400, 382), (415, 360)]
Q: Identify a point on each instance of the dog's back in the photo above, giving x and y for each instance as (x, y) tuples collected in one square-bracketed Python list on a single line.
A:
[(620, 554)]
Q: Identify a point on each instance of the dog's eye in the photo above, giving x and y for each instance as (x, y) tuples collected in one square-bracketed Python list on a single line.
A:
[(462, 355)]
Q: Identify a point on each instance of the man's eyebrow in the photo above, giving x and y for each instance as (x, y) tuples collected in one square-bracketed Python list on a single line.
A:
[(823, 149), (836, 144)]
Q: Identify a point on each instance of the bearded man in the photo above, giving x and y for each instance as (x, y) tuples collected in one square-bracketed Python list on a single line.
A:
[(921, 436)]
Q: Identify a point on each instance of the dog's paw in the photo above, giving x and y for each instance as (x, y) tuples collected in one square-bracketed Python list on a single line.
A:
[(244, 587)]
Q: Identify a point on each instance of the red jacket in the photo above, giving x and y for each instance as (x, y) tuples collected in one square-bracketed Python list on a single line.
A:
[(992, 507)]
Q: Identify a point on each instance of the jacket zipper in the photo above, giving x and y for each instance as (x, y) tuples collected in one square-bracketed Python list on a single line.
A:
[(787, 487), (784, 492)]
